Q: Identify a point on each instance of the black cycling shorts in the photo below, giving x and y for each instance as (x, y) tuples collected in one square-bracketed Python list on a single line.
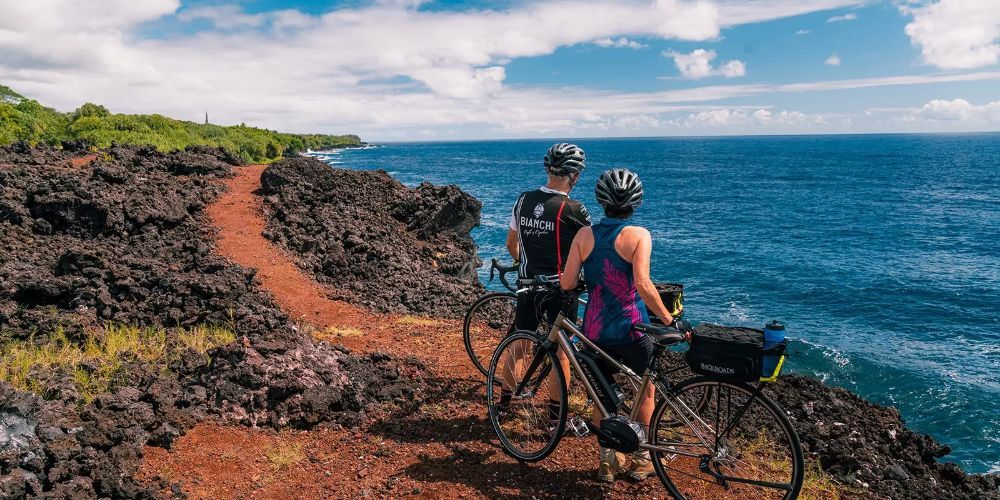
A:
[(635, 355), (532, 307)]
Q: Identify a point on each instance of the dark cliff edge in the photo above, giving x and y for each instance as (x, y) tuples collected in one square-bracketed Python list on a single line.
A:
[(124, 239)]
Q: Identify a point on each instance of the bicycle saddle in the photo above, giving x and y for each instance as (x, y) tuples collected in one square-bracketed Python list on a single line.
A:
[(663, 335)]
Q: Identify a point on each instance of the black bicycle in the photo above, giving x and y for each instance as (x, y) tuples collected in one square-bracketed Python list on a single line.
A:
[(708, 438), (490, 319)]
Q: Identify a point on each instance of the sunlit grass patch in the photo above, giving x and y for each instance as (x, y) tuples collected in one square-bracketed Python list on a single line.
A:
[(96, 363), (284, 455), (417, 321), (817, 484), (202, 338), (342, 331)]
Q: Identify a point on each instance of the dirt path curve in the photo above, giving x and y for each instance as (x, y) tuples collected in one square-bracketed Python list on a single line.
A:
[(238, 218)]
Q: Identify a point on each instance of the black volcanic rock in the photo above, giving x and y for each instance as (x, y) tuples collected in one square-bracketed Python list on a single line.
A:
[(376, 242), (124, 239)]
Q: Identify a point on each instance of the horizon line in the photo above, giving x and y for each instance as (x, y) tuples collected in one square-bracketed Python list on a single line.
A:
[(719, 136)]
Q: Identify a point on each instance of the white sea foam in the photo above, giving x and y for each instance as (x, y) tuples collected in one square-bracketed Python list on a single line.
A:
[(839, 357)]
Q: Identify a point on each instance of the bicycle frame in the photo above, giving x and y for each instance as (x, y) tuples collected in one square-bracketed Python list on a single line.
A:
[(558, 335)]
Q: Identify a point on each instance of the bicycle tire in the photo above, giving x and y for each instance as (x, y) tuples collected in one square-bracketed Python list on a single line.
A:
[(470, 315), (795, 447), (492, 382)]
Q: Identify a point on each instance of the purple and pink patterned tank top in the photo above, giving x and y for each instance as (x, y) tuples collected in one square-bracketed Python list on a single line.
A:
[(613, 305)]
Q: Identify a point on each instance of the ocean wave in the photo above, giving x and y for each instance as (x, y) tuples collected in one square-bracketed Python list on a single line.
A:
[(838, 357)]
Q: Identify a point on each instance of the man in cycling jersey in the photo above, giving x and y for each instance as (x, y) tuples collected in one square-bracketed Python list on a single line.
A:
[(543, 224)]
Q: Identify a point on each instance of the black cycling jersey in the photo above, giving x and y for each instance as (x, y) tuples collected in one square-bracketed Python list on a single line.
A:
[(546, 222)]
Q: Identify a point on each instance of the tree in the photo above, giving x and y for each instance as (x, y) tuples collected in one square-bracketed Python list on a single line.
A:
[(90, 109)]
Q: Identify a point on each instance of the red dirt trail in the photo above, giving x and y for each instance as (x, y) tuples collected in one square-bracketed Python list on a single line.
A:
[(237, 216)]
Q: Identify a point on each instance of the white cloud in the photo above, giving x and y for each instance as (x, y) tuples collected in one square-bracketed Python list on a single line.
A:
[(961, 110), (743, 118), (385, 70), (940, 114), (732, 69), (456, 54), (839, 19), (698, 64), (619, 43), (833, 60), (222, 16), (803, 32), (956, 33), (733, 12)]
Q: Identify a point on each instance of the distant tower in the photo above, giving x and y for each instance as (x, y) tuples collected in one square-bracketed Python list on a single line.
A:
[(206, 118)]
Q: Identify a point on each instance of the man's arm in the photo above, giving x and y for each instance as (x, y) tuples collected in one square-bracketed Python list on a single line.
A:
[(513, 245), (640, 273)]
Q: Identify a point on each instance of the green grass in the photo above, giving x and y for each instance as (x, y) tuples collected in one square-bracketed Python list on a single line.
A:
[(96, 363), (25, 119)]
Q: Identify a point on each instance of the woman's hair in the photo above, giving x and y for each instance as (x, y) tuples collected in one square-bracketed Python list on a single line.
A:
[(618, 212)]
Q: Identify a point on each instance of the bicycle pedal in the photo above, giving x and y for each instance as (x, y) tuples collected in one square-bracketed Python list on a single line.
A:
[(578, 426)]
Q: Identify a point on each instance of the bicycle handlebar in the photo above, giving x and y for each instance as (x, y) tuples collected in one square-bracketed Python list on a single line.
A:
[(502, 270)]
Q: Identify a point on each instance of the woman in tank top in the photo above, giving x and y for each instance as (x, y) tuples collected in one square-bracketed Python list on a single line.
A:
[(614, 257)]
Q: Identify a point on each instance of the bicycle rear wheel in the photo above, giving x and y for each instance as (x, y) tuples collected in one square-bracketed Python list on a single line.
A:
[(525, 369), (487, 322), (738, 444)]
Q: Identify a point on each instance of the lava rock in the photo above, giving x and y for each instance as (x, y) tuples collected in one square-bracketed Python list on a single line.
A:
[(374, 241)]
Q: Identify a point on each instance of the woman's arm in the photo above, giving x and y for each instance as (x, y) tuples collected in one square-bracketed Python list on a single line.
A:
[(571, 274), (640, 273)]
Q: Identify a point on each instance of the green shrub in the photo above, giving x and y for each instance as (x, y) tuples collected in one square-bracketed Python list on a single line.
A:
[(26, 119)]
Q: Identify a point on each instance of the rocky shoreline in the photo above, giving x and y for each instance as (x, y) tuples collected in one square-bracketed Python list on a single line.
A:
[(122, 237)]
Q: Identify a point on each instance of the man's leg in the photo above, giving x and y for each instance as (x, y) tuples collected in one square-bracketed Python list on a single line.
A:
[(551, 307), (525, 318)]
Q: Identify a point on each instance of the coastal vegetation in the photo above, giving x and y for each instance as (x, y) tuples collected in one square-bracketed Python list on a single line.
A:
[(97, 364), (23, 119)]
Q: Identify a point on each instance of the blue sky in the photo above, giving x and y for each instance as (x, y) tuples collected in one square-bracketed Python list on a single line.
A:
[(416, 70)]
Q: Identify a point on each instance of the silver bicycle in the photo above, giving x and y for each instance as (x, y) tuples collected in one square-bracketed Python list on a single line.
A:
[(707, 438)]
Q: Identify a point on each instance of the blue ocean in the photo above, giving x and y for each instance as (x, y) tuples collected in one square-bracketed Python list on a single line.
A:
[(881, 253)]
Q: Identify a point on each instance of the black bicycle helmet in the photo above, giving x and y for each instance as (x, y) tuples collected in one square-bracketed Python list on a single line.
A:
[(564, 159), (620, 189)]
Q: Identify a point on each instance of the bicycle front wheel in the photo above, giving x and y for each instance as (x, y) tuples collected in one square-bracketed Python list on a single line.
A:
[(487, 322), (734, 443), (523, 378)]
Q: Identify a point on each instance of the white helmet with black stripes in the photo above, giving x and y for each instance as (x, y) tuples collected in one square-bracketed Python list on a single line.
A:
[(564, 159)]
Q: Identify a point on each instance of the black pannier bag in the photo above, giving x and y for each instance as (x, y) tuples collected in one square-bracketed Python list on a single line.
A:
[(730, 353)]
